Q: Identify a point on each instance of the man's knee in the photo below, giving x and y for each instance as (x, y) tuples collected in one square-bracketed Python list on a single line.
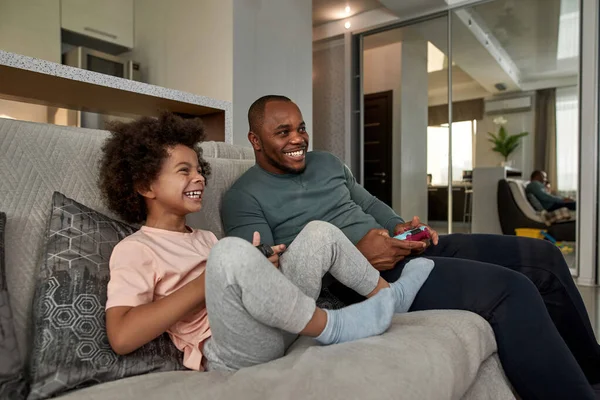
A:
[(552, 258), (521, 284)]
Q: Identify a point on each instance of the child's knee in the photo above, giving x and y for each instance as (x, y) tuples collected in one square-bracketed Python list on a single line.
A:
[(230, 252), (323, 231)]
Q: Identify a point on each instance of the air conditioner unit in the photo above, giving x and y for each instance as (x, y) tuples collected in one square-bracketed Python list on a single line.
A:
[(508, 105)]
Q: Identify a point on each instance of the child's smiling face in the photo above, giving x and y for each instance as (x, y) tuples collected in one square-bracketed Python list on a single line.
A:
[(178, 189)]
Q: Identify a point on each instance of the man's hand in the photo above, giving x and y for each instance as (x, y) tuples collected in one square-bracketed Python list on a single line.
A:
[(277, 250), (383, 251), (415, 223)]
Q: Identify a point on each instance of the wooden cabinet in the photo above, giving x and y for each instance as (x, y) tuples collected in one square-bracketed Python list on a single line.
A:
[(108, 20)]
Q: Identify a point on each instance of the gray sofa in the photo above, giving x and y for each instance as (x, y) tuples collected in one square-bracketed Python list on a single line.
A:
[(424, 355)]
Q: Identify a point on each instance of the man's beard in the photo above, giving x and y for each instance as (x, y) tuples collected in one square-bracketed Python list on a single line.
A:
[(284, 168)]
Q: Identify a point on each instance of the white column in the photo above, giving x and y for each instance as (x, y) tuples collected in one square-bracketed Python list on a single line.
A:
[(272, 54), (587, 207), (409, 164)]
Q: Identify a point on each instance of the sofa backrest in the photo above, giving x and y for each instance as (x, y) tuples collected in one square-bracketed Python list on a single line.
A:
[(38, 159), (517, 187)]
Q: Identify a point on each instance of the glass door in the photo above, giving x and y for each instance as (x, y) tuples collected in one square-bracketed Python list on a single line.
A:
[(405, 72)]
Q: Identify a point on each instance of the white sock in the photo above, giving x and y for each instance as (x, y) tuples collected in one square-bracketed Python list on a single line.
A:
[(405, 289), (368, 318)]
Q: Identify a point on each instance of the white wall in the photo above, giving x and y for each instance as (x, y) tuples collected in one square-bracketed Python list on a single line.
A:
[(272, 54), (402, 67), (413, 120), (23, 111), (329, 126), (186, 45)]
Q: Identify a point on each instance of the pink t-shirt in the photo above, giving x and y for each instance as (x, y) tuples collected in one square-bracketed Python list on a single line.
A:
[(153, 263)]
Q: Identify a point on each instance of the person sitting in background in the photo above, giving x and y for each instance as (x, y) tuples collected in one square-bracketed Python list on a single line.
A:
[(537, 187)]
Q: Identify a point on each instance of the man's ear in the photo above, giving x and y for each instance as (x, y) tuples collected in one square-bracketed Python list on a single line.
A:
[(254, 141)]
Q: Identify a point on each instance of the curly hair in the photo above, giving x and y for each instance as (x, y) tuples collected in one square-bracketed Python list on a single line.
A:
[(133, 155)]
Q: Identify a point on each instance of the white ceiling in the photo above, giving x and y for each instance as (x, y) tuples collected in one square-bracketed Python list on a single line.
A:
[(324, 11), (522, 50), (413, 7), (528, 30)]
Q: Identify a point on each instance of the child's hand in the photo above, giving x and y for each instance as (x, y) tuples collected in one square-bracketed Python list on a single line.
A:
[(280, 248), (277, 249)]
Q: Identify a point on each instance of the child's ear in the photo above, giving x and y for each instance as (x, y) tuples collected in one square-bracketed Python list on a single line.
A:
[(146, 192)]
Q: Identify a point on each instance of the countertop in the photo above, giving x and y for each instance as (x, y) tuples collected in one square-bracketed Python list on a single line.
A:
[(44, 82)]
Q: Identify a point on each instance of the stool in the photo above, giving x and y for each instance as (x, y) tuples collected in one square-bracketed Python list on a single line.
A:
[(468, 208)]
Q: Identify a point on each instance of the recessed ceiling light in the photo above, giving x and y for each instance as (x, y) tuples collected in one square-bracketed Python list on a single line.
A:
[(347, 25), (347, 10)]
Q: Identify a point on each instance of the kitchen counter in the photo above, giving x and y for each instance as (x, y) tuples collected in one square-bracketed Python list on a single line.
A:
[(37, 81)]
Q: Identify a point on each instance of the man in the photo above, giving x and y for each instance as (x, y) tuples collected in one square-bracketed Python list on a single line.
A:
[(538, 187), (289, 187)]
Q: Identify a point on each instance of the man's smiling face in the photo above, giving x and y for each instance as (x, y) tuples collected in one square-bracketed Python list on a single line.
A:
[(282, 141)]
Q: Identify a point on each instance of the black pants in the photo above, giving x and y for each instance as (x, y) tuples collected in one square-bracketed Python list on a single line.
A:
[(571, 205), (545, 339)]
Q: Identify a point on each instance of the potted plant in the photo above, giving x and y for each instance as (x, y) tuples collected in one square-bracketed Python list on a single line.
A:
[(504, 143)]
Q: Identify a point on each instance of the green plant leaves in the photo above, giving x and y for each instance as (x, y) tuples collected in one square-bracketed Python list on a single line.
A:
[(504, 143)]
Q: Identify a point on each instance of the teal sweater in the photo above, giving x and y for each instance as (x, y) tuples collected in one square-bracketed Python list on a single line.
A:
[(279, 206), (538, 190)]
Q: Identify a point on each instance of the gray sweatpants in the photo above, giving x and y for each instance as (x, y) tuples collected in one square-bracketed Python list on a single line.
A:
[(255, 311)]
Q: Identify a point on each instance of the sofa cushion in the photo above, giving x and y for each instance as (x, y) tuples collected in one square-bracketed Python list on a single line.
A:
[(71, 349), (227, 151), (12, 382), (35, 161), (426, 355)]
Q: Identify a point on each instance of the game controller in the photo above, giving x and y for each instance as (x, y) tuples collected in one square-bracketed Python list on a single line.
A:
[(414, 235), (266, 250)]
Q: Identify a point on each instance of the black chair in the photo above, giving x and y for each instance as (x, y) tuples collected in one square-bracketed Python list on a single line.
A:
[(514, 211)]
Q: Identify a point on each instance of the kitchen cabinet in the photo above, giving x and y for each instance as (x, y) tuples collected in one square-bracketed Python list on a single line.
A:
[(108, 20), (31, 28), (437, 203)]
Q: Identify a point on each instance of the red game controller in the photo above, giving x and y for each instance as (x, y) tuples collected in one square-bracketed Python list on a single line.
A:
[(414, 235)]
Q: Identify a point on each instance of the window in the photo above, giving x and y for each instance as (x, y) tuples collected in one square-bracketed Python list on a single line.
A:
[(437, 151), (567, 138), (568, 30)]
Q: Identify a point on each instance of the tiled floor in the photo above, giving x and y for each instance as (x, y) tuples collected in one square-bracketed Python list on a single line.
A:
[(591, 298)]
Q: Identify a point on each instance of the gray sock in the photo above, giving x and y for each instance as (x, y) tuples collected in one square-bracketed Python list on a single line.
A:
[(368, 318), (405, 289)]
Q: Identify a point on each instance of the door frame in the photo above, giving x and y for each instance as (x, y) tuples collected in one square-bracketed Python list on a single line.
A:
[(389, 96)]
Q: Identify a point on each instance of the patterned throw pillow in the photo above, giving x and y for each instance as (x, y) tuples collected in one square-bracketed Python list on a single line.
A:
[(71, 349), (12, 382)]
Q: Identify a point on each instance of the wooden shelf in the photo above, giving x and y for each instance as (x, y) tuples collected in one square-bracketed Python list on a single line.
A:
[(72, 88)]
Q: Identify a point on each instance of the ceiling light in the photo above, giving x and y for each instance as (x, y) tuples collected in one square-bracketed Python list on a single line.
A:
[(347, 10), (347, 25)]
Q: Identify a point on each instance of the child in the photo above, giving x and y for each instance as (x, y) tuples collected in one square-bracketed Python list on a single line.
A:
[(224, 305)]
